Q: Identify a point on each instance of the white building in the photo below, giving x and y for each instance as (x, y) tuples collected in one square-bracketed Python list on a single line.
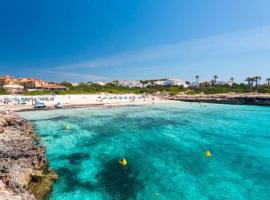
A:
[(221, 83), (13, 88), (100, 83), (74, 84), (159, 83), (130, 84), (194, 84), (176, 82), (230, 82)]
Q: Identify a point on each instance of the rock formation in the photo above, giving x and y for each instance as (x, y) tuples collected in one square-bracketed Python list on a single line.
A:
[(239, 99), (24, 171)]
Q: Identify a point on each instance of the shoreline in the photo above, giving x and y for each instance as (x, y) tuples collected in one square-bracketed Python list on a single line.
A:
[(232, 99), (94, 100), (24, 168), (82, 101)]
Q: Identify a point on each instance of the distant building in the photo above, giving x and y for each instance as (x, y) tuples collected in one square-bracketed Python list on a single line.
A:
[(14, 89), (146, 84), (7, 80), (221, 83), (230, 82), (176, 82), (130, 84), (100, 83), (14, 85), (194, 84), (52, 87), (74, 84), (31, 83), (159, 82), (205, 83)]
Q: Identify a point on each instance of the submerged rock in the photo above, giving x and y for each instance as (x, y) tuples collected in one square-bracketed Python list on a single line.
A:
[(118, 181), (24, 171)]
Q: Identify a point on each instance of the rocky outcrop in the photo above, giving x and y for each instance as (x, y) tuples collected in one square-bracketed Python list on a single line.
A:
[(239, 99), (24, 171)]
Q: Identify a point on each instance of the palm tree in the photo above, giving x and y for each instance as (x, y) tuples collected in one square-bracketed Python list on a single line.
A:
[(268, 82), (215, 78), (252, 81), (231, 82), (259, 78), (197, 79), (249, 80), (256, 79), (213, 82)]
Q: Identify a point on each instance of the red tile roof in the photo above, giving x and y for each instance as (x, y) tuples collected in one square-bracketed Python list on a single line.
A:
[(53, 86)]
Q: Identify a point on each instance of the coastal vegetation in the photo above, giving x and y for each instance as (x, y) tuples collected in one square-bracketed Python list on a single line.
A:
[(213, 86), (2, 91), (84, 88)]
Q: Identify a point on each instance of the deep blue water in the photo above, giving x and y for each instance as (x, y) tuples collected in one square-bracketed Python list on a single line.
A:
[(164, 146)]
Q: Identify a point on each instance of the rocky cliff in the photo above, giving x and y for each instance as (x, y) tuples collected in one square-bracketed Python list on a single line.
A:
[(24, 171), (239, 99)]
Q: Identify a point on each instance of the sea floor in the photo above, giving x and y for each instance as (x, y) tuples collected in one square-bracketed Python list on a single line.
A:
[(164, 146)]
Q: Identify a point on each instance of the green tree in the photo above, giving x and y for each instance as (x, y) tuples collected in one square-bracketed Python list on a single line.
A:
[(65, 83), (116, 82), (268, 82)]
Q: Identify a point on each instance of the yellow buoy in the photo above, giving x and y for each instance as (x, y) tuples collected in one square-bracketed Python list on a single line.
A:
[(124, 162), (208, 154)]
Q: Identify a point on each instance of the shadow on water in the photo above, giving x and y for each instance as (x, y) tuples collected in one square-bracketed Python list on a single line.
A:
[(59, 118), (75, 158), (118, 182), (71, 181)]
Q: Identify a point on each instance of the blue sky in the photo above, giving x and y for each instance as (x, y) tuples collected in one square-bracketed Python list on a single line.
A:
[(91, 40)]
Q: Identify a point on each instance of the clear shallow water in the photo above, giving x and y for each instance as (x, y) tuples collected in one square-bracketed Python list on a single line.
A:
[(164, 146)]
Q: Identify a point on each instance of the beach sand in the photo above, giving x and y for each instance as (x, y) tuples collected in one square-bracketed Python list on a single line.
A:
[(79, 101)]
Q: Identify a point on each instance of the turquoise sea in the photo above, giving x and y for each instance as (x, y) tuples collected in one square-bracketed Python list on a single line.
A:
[(164, 146)]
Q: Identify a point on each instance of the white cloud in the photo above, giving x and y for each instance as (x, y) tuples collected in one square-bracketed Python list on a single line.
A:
[(189, 51)]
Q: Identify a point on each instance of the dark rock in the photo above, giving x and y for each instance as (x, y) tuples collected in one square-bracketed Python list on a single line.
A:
[(2, 130), (4, 167)]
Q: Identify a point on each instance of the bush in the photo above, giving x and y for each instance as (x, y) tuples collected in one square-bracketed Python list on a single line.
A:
[(3, 92), (264, 90), (190, 92)]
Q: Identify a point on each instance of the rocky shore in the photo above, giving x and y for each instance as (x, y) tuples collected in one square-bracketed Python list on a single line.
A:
[(239, 99), (24, 169)]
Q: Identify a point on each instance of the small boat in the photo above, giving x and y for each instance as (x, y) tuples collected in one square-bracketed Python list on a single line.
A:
[(40, 105)]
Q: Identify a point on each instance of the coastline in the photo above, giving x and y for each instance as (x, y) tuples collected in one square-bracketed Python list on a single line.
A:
[(24, 169), (94, 100), (81, 101), (230, 98)]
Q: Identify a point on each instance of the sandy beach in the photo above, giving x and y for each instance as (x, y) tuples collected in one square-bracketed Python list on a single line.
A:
[(14, 102)]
